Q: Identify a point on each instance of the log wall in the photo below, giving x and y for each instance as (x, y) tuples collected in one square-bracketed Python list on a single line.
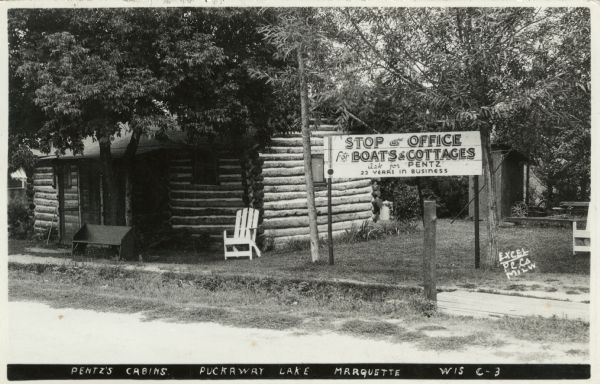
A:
[(45, 198), (204, 210), (46, 202), (285, 212)]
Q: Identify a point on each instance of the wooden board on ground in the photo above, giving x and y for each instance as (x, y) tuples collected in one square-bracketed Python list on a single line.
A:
[(479, 304)]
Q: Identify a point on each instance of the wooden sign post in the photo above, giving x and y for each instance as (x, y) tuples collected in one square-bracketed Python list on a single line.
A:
[(329, 219), (429, 221), (476, 217), (403, 155)]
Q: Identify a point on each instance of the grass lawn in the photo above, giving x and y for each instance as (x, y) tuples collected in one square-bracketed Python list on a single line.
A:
[(397, 260), (284, 290), (391, 314)]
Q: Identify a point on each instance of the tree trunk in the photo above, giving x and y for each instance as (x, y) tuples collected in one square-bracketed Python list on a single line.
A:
[(490, 260), (526, 197), (129, 162), (549, 195), (310, 193), (128, 198), (111, 189)]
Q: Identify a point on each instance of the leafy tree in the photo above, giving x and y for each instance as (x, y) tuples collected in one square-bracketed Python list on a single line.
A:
[(94, 70), (91, 72), (470, 69), (297, 32), (556, 133)]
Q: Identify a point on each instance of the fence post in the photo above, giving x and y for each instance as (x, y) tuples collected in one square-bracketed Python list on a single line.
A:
[(429, 223)]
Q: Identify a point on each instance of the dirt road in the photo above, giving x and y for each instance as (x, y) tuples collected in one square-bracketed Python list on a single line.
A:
[(84, 336)]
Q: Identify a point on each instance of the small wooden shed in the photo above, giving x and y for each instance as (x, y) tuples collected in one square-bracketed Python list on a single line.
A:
[(510, 167)]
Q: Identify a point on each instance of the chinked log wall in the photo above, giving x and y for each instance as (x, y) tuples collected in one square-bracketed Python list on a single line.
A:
[(45, 199), (285, 215), (205, 210)]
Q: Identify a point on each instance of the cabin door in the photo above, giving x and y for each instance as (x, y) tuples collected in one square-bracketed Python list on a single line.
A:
[(68, 202)]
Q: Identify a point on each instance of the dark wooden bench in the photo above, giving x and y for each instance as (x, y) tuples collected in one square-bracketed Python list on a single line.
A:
[(111, 235)]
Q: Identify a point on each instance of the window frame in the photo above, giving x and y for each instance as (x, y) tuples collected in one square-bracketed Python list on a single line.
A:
[(321, 157)]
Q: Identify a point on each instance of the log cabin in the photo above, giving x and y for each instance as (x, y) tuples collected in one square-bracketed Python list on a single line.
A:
[(69, 188), (285, 217), (197, 190)]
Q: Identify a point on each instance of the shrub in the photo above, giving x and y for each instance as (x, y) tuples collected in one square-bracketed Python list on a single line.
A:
[(370, 230), (266, 243), (405, 199), (519, 209), (451, 194), (420, 304), (363, 232), (20, 220)]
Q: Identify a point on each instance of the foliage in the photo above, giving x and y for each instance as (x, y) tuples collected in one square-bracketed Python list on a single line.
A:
[(20, 219), (424, 306), (77, 73), (522, 73), (451, 194), (297, 31), (19, 156), (369, 230), (473, 69), (519, 209), (366, 231), (404, 198), (80, 72)]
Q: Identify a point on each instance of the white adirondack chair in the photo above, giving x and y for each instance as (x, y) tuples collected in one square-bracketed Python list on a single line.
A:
[(582, 235), (244, 235)]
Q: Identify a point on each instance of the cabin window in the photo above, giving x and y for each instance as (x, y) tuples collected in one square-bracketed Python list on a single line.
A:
[(318, 170), (205, 168)]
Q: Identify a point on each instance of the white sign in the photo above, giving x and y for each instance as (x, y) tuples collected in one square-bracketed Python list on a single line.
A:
[(403, 155)]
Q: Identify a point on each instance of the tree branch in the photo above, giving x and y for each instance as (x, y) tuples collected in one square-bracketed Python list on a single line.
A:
[(374, 49)]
